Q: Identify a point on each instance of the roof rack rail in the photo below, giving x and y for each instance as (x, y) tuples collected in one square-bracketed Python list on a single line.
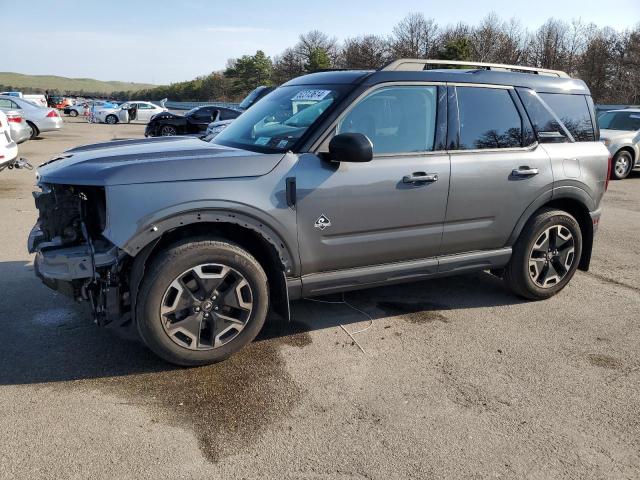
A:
[(415, 64)]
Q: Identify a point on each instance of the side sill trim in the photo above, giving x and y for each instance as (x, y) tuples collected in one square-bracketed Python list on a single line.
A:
[(324, 283)]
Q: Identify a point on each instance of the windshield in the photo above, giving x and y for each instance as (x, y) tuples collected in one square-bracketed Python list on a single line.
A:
[(278, 121), (629, 121)]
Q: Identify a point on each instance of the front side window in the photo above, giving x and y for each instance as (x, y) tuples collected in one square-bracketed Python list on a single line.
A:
[(279, 120), (488, 119), (396, 119), (629, 121), (573, 111)]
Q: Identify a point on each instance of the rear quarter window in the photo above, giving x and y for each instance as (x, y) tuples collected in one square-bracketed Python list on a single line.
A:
[(573, 111)]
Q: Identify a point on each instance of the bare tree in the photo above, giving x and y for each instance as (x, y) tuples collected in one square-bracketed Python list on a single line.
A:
[(369, 51), (313, 41), (415, 37), (288, 65), (497, 41)]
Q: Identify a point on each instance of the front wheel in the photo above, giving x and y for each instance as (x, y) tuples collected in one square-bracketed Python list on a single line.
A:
[(622, 165), (73, 113), (201, 300), (111, 119), (546, 255), (168, 131)]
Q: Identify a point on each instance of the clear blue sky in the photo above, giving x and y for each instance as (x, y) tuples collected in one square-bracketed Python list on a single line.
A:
[(160, 41)]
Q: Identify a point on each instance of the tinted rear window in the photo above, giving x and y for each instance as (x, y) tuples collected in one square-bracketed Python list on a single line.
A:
[(573, 111), (488, 119)]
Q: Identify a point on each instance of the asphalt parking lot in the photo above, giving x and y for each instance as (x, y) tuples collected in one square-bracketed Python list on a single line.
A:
[(456, 377)]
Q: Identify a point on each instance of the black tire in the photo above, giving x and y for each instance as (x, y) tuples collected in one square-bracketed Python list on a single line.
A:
[(168, 131), (622, 165), (34, 130), (170, 264), (73, 113), (520, 276), (111, 119)]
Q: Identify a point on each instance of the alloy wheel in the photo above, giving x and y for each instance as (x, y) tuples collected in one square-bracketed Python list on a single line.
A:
[(206, 306), (552, 256), (167, 131), (623, 164)]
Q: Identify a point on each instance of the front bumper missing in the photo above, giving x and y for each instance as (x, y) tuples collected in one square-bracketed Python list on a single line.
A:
[(57, 263)]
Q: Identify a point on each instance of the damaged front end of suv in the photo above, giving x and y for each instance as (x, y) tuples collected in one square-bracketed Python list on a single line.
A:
[(106, 209), (72, 255)]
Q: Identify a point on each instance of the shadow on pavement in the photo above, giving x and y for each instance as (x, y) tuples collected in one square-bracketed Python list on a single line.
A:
[(50, 338)]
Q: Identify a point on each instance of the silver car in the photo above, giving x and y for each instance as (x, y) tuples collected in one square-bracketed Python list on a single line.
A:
[(620, 132), (19, 130), (40, 119)]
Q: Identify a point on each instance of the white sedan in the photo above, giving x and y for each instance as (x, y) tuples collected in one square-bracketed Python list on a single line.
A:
[(128, 112), (8, 148)]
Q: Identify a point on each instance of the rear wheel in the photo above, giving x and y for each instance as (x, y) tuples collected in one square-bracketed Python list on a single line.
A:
[(546, 255), (34, 130), (202, 300), (168, 130), (73, 113), (111, 119), (622, 165)]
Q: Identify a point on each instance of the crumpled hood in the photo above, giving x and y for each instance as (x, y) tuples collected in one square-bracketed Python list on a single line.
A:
[(162, 159)]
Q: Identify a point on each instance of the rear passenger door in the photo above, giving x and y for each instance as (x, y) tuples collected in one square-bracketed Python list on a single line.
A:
[(497, 168)]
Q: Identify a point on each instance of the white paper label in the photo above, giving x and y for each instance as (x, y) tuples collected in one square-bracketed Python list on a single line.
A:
[(262, 140), (311, 95)]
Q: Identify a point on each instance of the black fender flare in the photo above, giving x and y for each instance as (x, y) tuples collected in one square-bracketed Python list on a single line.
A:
[(143, 244), (156, 229), (557, 193)]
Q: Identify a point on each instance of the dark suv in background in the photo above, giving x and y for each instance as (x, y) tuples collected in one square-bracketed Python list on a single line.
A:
[(335, 181)]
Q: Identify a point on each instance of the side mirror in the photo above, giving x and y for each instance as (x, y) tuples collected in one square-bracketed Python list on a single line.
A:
[(350, 147)]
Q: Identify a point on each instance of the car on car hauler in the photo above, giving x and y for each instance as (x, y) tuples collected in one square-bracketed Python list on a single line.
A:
[(333, 182)]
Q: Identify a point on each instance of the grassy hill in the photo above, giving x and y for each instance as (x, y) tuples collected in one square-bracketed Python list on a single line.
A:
[(64, 84)]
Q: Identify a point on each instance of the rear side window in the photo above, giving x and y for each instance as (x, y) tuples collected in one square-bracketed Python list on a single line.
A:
[(573, 111), (488, 119)]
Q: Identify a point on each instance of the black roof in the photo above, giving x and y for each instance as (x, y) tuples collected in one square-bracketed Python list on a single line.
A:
[(539, 83)]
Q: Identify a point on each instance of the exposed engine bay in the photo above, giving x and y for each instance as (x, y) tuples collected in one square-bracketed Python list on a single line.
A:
[(72, 255)]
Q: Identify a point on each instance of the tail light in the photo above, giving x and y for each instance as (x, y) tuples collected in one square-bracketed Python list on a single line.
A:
[(15, 118), (609, 166), (52, 114)]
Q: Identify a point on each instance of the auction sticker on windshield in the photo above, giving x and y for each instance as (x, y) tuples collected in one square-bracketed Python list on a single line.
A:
[(262, 141), (314, 95)]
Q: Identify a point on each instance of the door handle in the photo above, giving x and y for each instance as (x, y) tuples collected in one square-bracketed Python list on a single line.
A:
[(420, 177), (525, 172)]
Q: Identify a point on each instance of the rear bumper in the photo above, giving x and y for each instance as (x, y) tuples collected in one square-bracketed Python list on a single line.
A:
[(21, 133), (595, 219), (50, 124), (10, 153)]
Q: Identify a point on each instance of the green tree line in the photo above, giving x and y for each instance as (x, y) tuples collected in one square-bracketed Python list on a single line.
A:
[(608, 60)]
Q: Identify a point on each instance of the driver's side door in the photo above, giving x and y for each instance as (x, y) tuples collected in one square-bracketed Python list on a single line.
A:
[(379, 212)]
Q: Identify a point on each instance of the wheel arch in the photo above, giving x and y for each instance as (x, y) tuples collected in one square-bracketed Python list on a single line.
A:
[(251, 234), (574, 201)]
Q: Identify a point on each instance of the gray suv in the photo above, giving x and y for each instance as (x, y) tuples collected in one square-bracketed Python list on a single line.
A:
[(335, 181)]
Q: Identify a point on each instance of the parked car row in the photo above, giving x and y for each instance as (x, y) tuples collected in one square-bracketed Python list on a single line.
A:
[(21, 120)]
